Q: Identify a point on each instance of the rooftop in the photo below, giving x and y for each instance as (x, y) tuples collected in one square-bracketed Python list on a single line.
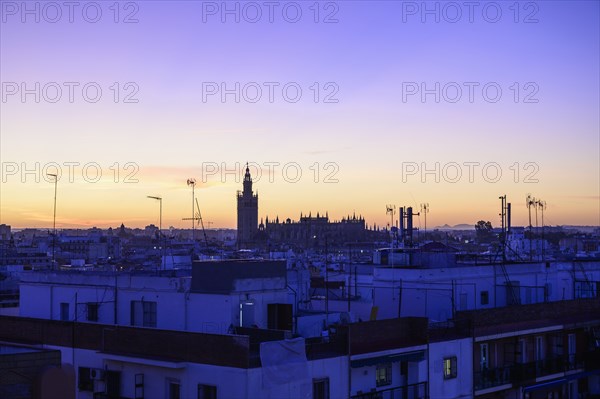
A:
[(15, 350)]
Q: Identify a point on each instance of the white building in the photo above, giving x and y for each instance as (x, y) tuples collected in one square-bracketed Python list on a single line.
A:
[(437, 286), (217, 296), (136, 362)]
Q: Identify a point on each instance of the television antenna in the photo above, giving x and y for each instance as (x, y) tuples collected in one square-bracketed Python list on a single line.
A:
[(425, 210), (391, 210)]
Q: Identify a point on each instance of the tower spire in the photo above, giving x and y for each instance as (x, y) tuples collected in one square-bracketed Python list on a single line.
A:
[(247, 182)]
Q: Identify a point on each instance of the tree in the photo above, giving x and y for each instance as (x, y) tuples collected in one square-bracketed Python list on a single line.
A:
[(484, 231)]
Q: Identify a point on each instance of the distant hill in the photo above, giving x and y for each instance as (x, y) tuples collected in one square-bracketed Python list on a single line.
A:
[(465, 226), (462, 226)]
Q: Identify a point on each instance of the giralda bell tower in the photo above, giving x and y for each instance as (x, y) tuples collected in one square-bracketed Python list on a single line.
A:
[(247, 213)]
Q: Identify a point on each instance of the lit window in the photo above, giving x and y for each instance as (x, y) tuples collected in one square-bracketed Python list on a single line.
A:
[(449, 367), (383, 374)]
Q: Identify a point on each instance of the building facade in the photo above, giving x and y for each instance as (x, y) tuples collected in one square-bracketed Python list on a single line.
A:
[(319, 231)]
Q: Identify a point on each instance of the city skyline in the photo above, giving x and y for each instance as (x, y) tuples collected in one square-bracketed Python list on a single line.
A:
[(361, 121)]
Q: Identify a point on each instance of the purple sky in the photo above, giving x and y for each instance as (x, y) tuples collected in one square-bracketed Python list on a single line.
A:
[(365, 60)]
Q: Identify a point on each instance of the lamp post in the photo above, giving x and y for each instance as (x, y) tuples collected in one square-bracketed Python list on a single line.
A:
[(192, 182), (55, 176), (159, 199)]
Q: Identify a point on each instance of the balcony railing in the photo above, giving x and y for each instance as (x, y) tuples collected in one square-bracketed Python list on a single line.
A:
[(490, 378), (413, 391), (521, 372)]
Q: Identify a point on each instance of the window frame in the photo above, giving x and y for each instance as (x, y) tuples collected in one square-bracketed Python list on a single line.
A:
[(326, 386), (64, 311), (451, 371), (207, 395), (84, 382), (147, 316), (486, 295), (96, 311), (484, 356), (387, 377), (149, 310), (170, 383)]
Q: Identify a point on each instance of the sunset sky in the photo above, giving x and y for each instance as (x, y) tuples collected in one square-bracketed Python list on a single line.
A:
[(365, 133)]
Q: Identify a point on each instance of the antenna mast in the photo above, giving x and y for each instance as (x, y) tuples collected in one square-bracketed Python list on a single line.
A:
[(425, 210), (542, 205), (530, 201), (391, 210)]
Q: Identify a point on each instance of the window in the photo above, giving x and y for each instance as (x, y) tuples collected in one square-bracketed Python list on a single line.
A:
[(539, 348), (139, 386), (450, 367), (383, 374), (279, 316), (485, 297), (321, 388), (571, 347), (247, 313), (484, 359), (404, 368), (143, 313), (92, 311), (113, 384), (173, 389), (84, 382), (463, 301), (522, 352), (149, 314), (64, 311), (207, 391), (557, 345)]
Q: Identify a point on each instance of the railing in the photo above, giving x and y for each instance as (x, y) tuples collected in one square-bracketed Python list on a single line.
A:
[(413, 391), (521, 372), (540, 368), (491, 378)]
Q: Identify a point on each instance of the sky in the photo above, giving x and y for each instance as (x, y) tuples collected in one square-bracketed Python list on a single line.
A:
[(341, 107)]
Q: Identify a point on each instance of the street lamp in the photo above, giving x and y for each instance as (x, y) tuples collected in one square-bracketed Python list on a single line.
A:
[(159, 199), (55, 176), (192, 182)]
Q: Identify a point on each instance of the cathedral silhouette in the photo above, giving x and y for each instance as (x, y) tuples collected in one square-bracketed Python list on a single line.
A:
[(307, 232)]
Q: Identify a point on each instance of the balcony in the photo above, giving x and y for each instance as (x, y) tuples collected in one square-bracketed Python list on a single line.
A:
[(491, 378), (413, 391), (523, 372)]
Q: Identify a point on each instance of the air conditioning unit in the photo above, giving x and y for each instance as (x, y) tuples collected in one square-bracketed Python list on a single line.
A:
[(96, 374)]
